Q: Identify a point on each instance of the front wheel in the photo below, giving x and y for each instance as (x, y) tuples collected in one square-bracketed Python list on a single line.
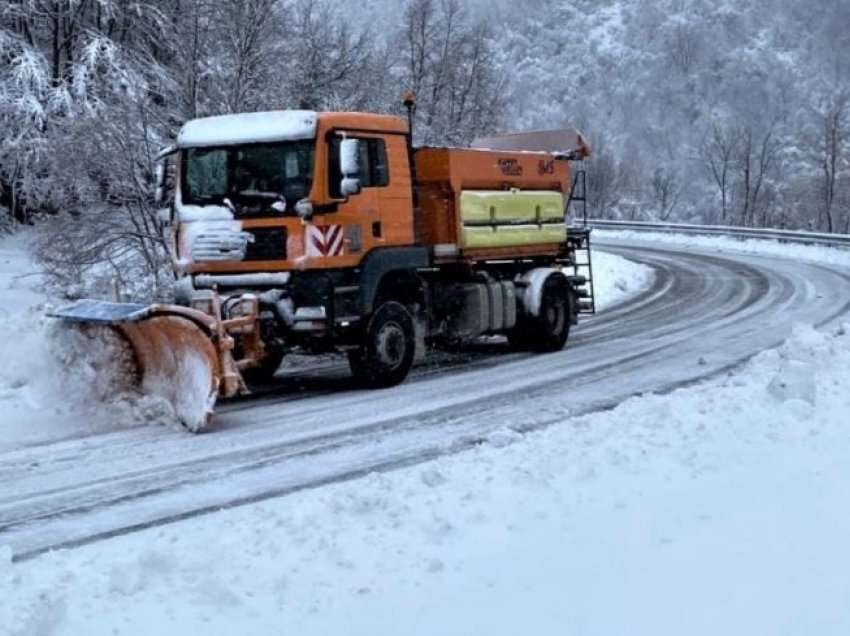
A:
[(389, 344)]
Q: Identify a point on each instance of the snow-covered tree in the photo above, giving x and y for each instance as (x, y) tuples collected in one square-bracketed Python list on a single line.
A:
[(699, 110)]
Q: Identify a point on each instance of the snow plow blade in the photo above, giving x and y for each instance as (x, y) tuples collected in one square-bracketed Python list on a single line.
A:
[(173, 350)]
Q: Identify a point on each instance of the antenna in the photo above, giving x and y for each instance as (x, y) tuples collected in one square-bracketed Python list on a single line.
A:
[(410, 105)]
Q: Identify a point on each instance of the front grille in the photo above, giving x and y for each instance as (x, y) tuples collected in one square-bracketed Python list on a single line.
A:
[(269, 244)]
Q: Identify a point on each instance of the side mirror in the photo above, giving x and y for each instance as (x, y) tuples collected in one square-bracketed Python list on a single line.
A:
[(349, 157), (349, 166), (350, 187)]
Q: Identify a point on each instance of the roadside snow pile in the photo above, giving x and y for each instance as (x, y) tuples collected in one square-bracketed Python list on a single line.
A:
[(84, 377), (54, 379), (795, 377), (717, 509), (617, 279), (25, 354), (21, 323), (762, 247), (52, 367)]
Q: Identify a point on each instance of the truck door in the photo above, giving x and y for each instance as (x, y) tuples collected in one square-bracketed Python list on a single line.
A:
[(396, 197), (381, 214), (342, 237)]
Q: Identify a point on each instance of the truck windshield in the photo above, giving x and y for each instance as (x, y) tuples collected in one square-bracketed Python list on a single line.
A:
[(248, 175)]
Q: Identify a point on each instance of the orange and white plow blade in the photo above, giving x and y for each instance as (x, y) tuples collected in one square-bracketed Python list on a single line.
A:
[(177, 362), (180, 354)]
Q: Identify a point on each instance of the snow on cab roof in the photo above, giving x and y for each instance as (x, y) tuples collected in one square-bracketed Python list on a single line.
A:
[(246, 128)]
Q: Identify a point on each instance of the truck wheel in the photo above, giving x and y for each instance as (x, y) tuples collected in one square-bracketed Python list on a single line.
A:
[(549, 330), (386, 355), (552, 327)]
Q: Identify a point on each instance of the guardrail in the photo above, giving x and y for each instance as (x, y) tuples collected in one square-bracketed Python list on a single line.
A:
[(783, 236)]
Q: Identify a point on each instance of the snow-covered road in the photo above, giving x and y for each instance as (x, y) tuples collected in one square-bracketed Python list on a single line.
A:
[(705, 312)]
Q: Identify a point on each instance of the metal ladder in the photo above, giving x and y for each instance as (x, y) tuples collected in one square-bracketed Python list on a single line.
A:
[(578, 237)]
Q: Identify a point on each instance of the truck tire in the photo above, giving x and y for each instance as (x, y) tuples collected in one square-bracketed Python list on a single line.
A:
[(548, 331), (552, 326), (389, 345)]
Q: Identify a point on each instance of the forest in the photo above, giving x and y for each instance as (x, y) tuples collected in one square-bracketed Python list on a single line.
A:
[(723, 112)]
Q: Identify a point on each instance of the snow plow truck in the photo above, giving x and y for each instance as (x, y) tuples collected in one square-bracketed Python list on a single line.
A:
[(328, 232)]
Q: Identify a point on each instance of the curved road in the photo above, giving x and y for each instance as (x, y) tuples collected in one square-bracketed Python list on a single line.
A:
[(705, 313)]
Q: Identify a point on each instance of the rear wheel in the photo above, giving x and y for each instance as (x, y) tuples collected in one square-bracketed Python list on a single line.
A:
[(549, 330), (552, 326), (389, 344)]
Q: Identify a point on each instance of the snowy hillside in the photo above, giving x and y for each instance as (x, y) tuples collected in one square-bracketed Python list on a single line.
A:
[(733, 112)]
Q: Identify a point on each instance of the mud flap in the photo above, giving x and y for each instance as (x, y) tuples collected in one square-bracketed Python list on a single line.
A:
[(174, 353)]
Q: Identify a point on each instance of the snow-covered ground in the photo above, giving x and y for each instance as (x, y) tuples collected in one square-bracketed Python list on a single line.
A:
[(720, 508), (617, 279), (47, 389), (26, 377)]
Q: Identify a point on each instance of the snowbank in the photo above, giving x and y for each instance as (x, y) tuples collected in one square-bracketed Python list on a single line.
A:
[(55, 382), (617, 279), (25, 372), (63, 382), (717, 509)]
